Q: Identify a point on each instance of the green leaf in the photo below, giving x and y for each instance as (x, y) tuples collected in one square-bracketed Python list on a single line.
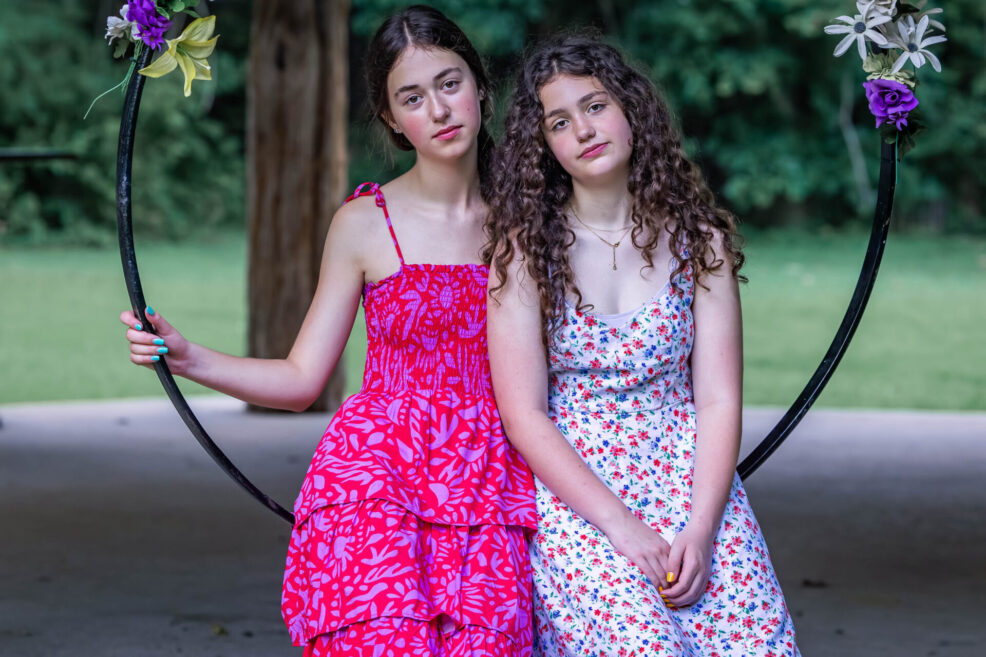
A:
[(889, 132), (192, 13), (121, 48)]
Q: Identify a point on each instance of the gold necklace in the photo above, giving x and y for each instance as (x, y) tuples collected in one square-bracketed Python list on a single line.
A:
[(602, 239)]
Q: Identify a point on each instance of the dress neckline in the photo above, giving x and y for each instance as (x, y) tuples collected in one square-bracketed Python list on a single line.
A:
[(424, 266), (610, 320)]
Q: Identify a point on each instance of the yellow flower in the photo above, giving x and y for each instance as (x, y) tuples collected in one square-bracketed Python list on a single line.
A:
[(188, 51)]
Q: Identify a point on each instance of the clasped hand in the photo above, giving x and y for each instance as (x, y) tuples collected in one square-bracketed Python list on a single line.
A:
[(680, 569)]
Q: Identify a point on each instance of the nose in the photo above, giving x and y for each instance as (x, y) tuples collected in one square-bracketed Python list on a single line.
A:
[(584, 130), (439, 110)]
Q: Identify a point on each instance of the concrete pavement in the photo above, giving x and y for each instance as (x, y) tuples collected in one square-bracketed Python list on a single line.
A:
[(120, 537)]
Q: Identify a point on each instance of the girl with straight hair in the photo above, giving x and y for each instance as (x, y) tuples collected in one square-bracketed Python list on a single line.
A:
[(411, 524)]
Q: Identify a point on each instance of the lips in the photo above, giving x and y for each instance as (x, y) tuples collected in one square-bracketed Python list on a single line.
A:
[(447, 133), (593, 151)]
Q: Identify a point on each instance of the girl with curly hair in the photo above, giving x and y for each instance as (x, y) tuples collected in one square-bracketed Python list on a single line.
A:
[(411, 524), (616, 351)]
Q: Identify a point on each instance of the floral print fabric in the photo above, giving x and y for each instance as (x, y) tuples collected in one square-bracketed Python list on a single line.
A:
[(621, 395), (411, 524)]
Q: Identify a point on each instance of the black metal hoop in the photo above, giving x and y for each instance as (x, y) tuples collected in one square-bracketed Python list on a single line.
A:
[(797, 411), (867, 277), (124, 159)]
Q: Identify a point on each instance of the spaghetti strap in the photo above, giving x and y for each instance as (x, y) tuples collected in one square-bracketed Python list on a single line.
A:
[(368, 188)]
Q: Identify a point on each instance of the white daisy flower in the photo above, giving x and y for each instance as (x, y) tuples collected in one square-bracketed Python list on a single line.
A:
[(118, 28), (881, 7), (859, 28), (932, 22), (910, 38)]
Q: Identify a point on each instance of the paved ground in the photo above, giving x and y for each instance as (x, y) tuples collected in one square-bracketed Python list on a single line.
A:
[(119, 537)]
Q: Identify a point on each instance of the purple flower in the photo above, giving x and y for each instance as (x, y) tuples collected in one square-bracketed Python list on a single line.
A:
[(890, 101), (151, 25)]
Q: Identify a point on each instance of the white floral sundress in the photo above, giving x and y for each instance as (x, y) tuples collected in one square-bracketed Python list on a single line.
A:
[(621, 394)]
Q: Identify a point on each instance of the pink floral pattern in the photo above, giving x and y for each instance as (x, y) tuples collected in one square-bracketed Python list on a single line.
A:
[(621, 394), (411, 524), (400, 637)]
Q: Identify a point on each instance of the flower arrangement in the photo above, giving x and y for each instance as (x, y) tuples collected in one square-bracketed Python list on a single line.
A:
[(143, 24), (879, 29)]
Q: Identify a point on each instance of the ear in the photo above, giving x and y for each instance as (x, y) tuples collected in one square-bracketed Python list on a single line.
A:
[(388, 118)]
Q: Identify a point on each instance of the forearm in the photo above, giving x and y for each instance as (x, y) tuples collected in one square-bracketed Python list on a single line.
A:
[(556, 463), (273, 383), (716, 451)]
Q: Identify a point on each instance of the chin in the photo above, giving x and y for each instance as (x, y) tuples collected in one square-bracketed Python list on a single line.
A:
[(599, 171), (453, 150)]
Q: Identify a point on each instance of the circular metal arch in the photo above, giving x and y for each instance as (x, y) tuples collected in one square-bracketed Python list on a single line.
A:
[(867, 277), (797, 411), (124, 159)]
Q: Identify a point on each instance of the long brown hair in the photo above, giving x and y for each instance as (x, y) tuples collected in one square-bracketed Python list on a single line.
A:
[(425, 27), (531, 190)]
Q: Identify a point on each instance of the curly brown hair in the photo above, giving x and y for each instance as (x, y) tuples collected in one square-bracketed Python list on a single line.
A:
[(531, 190)]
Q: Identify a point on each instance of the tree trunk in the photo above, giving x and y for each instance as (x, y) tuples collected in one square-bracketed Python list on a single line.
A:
[(296, 164)]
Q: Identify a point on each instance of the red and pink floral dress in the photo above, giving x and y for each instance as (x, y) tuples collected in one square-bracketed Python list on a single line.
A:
[(411, 524)]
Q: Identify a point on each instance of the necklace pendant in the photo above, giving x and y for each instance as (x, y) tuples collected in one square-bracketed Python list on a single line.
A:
[(614, 258)]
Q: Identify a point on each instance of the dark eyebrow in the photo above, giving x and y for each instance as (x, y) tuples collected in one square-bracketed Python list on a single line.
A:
[(583, 100), (441, 74)]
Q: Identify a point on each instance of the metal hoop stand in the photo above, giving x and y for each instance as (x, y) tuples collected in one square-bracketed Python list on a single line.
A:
[(124, 159), (867, 277)]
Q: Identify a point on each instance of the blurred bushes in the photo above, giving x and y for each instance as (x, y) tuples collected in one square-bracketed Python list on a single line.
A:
[(188, 164), (753, 82), (757, 93)]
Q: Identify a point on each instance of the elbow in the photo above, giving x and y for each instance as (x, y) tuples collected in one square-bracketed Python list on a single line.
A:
[(298, 406), (508, 426), (515, 426), (304, 400), (300, 399), (304, 389)]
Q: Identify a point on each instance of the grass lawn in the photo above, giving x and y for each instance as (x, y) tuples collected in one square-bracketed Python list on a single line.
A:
[(919, 344)]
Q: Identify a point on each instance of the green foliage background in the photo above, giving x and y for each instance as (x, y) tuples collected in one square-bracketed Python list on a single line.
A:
[(754, 84), (189, 152)]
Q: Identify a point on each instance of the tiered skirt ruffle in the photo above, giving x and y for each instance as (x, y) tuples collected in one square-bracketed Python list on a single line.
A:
[(411, 531)]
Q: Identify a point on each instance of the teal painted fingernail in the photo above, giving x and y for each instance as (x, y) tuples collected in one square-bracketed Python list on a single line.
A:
[(150, 311), (155, 359), (162, 350), (138, 326), (158, 341)]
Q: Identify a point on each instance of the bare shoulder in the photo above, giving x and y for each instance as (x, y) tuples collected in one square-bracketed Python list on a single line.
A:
[(721, 248), (358, 225), (510, 278), (507, 258), (356, 214), (716, 238)]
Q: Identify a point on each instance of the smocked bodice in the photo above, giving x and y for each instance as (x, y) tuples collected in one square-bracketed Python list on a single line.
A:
[(426, 330)]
